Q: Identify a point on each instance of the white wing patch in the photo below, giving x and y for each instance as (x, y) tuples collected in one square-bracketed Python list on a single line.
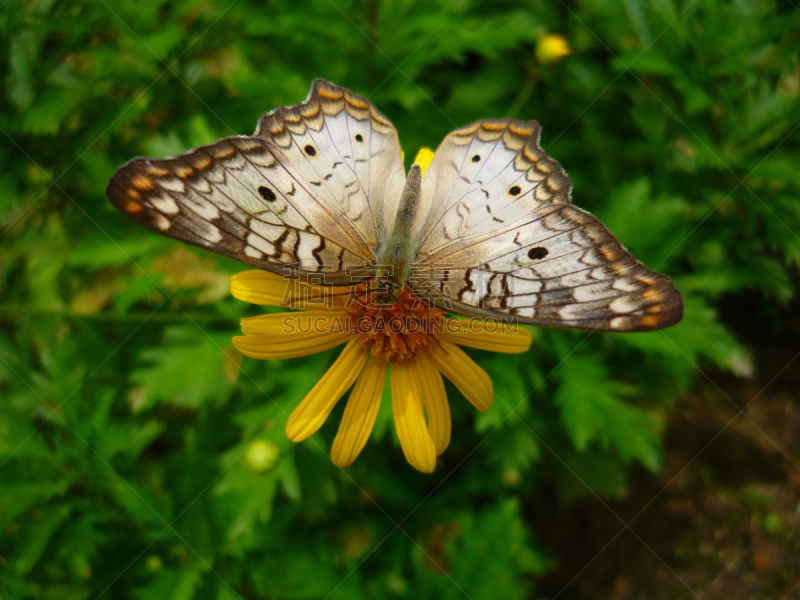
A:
[(500, 233)]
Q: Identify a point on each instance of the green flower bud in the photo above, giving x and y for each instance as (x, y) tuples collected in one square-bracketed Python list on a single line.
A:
[(262, 456)]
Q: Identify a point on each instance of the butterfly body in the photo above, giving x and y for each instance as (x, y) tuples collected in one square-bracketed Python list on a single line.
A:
[(395, 256), (319, 191)]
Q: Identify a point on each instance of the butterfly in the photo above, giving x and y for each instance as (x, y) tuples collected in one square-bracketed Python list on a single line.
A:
[(489, 231)]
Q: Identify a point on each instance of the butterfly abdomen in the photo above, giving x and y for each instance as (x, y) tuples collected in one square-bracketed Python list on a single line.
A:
[(395, 256)]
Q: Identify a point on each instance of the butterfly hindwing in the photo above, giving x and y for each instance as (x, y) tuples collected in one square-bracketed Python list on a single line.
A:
[(291, 195), (508, 241)]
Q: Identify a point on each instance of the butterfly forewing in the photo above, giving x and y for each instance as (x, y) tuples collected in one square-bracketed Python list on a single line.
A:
[(298, 193), (506, 240), (346, 151)]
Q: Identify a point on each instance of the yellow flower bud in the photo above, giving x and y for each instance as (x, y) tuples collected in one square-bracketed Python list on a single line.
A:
[(551, 48)]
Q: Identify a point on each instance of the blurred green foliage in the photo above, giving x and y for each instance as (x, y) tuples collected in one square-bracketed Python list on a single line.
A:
[(126, 416)]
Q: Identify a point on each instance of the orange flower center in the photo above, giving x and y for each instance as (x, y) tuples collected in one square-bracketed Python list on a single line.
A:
[(393, 330)]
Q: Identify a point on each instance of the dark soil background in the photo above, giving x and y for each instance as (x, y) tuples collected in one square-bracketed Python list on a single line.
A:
[(722, 519)]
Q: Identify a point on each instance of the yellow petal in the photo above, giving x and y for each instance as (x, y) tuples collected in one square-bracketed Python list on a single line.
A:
[(487, 335), (259, 287), (468, 377), (360, 412), (409, 420), (434, 398), (302, 323), (276, 347), (289, 335), (270, 289), (311, 413), (424, 158)]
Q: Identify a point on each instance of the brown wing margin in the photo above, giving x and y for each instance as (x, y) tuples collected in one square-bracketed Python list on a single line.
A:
[(325, 98), (136, 184)]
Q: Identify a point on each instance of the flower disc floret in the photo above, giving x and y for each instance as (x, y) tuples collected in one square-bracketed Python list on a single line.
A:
[(394, 331)]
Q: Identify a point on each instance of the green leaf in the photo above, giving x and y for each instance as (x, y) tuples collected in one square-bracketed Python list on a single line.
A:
[(592, 410), (699, 335), (36, 541), (513, 447), (23, 55), (511, 396), (483, 549), (248, 498), (187, 370), (173, 584)]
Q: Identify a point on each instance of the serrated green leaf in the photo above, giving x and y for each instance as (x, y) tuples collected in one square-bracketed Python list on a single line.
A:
[(482, 549), (38, 537), (592, 410), (173, 584), (188, 370)]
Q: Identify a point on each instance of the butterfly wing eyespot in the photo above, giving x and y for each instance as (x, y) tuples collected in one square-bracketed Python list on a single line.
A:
[(515, 246), (267, 193)]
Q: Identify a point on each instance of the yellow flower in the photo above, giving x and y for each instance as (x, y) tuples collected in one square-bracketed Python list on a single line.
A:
[(551, 48), (417, 342)]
